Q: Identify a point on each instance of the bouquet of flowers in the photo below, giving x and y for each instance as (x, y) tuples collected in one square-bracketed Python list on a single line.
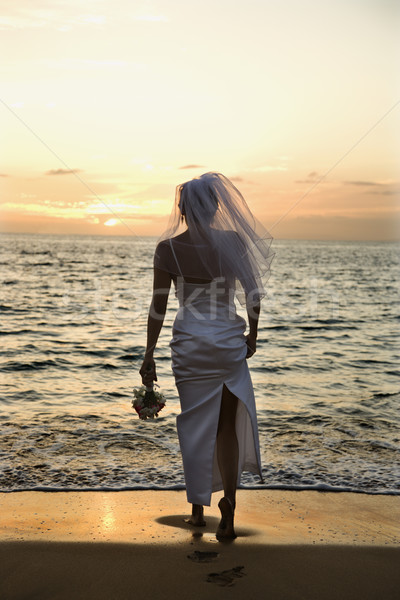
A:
[(147, 402)]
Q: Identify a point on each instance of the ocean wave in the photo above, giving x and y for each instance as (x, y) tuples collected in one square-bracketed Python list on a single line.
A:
[(16, 332), (14, 309), (28, 366), (24, 252), (320, 487), (39, 264)]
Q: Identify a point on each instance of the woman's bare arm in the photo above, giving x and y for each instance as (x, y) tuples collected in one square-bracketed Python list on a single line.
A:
[(158, 307), (249, 286), (253, 314)]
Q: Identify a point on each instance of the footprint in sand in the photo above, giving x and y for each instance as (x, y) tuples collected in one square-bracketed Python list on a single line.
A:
[(226, 578), (203, 557)]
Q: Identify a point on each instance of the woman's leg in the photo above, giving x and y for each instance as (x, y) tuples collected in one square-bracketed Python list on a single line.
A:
[(197, 517), (228, 458)]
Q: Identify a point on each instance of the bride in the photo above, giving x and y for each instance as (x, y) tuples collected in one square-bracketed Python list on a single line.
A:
[(212, 250)]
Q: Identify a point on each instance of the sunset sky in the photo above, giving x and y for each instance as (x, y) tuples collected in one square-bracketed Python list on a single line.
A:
[(136, 97)]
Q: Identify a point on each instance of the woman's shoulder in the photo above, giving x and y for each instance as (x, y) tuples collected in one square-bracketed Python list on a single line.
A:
[(163, 243), (163, 249), (182, 237), (162, 255)]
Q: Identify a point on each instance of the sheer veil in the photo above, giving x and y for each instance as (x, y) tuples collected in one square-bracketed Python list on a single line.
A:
[(212, 234)]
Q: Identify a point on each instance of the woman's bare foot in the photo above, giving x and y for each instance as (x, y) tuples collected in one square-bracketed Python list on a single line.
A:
[(197, 518), (226, 530)]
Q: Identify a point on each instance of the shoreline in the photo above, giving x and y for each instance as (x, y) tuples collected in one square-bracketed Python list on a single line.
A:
[(291, 545), (179, 488)]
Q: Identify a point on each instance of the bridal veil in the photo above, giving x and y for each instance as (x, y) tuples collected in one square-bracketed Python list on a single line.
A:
[(212, 233)]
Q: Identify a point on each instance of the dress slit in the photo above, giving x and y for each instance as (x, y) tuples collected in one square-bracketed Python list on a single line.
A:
[(242, 431)]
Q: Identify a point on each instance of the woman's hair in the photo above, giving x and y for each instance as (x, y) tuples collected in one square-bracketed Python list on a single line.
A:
[(206, 201)]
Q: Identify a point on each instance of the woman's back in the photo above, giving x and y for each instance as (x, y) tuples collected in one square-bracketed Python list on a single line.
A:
[(197, 262)]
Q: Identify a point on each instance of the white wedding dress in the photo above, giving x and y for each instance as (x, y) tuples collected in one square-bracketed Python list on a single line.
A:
[(208, 350)]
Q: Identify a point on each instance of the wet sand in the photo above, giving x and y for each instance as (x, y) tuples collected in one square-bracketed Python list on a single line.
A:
[(123, 545)]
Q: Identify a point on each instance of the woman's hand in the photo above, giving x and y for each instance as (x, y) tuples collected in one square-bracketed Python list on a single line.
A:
[(148, 371), (251, 345)]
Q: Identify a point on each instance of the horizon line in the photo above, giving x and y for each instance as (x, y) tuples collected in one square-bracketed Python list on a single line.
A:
[(104, 235)]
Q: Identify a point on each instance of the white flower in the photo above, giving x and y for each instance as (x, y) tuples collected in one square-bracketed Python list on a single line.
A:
[(143, 407)]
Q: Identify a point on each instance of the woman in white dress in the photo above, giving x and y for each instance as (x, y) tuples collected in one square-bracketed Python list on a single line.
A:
[(212, 249)]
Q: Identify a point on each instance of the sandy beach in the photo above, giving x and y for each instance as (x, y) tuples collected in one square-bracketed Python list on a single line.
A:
[(123, 545)]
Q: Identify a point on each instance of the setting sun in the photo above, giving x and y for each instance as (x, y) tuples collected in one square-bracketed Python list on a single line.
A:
[(111, 222)]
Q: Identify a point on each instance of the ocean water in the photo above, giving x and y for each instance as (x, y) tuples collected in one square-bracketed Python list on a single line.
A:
[(73, 331)]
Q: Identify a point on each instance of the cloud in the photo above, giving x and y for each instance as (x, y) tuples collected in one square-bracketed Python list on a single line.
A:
[(3, 175), (20, 22), (385, 192), (313, 177), (238, 179), (361, 183), (268, 168), (88, 63), (22, 15), (192, 167), (379, 188), (151, 18), (63, 171)]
